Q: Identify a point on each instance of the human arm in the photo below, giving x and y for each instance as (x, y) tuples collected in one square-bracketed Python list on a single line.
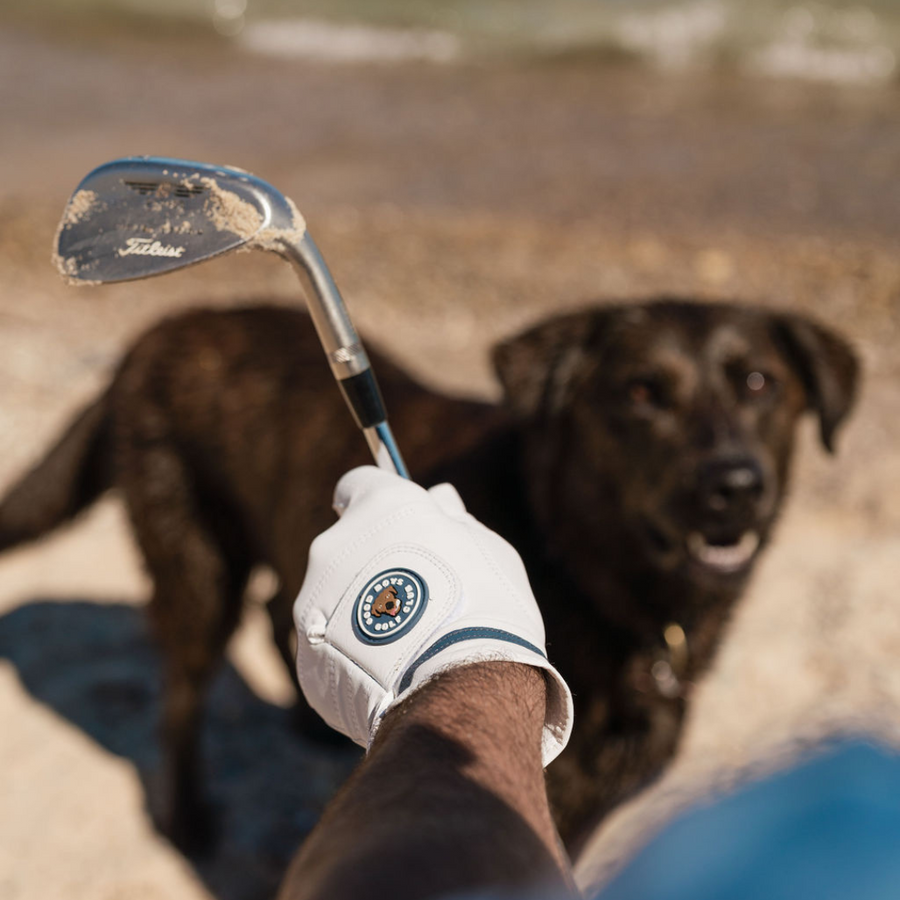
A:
[(419, 638), (450, 798)]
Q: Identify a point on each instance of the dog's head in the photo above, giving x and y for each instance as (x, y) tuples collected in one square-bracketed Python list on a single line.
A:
[(660, 435)]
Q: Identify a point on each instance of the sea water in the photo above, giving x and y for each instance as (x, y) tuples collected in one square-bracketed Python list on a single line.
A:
[(821, 40)]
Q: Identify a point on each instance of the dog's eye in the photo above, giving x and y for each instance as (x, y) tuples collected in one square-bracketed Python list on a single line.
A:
[(646, 392)]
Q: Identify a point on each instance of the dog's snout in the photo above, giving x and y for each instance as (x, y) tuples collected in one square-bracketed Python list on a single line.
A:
[(731, 485)]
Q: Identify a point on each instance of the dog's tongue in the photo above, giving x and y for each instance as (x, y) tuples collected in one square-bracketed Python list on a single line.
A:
[(723, 557)]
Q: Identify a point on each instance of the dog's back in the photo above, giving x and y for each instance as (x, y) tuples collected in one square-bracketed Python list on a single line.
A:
[(224, 433)]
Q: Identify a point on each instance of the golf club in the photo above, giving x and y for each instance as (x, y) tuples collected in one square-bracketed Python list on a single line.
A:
[(143, 215)]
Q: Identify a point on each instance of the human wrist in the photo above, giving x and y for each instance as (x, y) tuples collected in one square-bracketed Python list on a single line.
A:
[(502, 695)]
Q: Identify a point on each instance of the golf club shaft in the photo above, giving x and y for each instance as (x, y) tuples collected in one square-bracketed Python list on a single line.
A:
[(346, 355)]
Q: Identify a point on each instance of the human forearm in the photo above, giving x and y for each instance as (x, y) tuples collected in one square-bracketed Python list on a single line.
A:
[(450, 797)]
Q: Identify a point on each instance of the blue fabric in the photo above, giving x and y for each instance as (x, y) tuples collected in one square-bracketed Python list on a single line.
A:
[(826, 830)]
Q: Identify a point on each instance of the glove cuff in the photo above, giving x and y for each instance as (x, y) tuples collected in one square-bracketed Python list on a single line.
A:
[(475, 644)]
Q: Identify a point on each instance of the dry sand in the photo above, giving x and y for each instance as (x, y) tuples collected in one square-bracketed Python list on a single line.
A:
[(455, 205)]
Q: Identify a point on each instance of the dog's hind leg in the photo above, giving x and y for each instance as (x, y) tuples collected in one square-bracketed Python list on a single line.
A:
[(199, 567)]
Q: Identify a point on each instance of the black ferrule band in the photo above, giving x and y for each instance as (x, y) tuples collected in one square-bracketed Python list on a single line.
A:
[(364, 398)]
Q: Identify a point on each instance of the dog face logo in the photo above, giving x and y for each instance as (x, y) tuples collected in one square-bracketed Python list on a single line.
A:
[(389, 605), (386, 603)]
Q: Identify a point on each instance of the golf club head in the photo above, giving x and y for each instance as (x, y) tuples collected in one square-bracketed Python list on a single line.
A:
[(143, 215)]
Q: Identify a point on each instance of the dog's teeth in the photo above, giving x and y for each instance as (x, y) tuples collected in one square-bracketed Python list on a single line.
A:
[(723, 558)]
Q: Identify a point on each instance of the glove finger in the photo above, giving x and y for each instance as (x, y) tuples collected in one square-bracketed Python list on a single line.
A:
[(363, 481), (448, 500)]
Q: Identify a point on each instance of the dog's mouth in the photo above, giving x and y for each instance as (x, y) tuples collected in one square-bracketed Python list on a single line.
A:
[(723, 556)]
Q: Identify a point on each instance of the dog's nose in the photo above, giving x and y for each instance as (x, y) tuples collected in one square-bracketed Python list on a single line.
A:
[(731, 485)]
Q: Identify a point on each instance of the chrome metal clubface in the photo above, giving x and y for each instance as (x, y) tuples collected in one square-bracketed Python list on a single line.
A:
[(142, 216)]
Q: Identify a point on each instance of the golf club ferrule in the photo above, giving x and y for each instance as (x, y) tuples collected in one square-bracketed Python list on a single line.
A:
[(364, 398)]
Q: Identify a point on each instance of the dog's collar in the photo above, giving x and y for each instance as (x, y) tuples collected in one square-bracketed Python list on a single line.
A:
[(671, 664), (663, 668)]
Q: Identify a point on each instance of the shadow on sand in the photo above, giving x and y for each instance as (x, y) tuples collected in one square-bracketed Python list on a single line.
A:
[(96, 666)]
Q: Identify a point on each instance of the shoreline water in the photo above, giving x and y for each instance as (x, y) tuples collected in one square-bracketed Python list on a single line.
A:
[(822, 41)]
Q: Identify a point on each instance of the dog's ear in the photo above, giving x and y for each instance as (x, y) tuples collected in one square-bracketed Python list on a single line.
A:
[(827, 367), (539, 367)]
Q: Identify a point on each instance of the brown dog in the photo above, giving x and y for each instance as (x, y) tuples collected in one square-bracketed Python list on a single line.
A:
[(638, 465)]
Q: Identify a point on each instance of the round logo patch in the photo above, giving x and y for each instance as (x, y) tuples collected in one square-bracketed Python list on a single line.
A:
[(389, 605)]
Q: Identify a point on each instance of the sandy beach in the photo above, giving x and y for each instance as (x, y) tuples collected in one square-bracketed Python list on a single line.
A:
[(455, 204)]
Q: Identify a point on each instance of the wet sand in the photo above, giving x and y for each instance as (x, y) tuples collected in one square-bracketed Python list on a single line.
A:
[(455, 205)]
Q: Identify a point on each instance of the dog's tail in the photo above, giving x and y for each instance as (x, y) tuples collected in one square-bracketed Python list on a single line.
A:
[(70, 477)]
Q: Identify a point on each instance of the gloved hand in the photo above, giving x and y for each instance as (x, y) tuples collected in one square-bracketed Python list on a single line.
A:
[(406, 585)]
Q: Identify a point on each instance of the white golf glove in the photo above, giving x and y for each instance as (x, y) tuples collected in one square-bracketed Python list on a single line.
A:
[(406, 585)]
